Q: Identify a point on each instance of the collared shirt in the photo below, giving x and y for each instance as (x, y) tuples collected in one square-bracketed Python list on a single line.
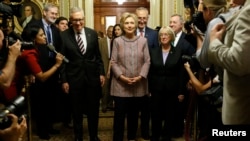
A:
[(45, 24), (177, 37), (109, 45)]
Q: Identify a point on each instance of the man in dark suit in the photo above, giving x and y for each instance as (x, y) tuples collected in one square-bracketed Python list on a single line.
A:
[(152, 39), (83, 76), (46, 60), (177, 23)]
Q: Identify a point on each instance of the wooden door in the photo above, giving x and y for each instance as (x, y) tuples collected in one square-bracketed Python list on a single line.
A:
[(110, 8)]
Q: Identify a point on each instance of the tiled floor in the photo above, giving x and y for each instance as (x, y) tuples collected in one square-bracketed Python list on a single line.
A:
[(105, 130)]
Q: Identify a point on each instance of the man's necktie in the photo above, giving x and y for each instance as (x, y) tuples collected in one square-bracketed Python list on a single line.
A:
[(141, 33), (80, 43), (49, 39)]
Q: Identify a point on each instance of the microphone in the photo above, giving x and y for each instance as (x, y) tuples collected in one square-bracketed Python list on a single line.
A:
[(52, 48)]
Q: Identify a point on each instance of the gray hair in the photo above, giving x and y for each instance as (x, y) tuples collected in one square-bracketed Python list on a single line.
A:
[(180, 17), (74, 10), (48, 6), (141, 8)]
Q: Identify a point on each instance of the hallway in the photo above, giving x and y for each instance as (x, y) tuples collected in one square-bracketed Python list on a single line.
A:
[(105, 130)]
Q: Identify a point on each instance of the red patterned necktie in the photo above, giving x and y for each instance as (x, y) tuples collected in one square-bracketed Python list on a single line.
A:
[(141, 33)]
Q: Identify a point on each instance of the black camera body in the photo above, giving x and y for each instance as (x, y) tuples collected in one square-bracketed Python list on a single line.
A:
[(197, 21), (17, 107), (193, 62), (24, 45)]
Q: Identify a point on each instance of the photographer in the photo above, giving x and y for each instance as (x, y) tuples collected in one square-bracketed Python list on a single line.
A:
[(16, 131), (7, 69)]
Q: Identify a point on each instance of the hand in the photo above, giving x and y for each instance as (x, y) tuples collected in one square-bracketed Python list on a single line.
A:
[(65, 87), (108, 74), (14, 50), (126, 80), (181, 97), (59, 59), (102, 80), (15, 131), (217, 32), (186, 65), (136, 79)]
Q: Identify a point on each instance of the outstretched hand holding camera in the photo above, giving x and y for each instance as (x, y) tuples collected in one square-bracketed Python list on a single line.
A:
[(14, 50), (16, 131), (8, 71)]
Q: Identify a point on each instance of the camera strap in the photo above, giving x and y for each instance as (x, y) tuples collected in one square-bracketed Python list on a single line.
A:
[(222, 18)]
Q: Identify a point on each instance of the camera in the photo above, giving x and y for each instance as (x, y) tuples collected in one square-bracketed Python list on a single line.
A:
[(197, 21), (16, 107), (10, 8), (24, 45), (193, 62)]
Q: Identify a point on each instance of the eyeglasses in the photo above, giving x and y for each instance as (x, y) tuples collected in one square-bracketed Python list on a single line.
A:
[(76, 20)]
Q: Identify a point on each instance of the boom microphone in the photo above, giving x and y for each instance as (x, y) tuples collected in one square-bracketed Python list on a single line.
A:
[(52, 48)]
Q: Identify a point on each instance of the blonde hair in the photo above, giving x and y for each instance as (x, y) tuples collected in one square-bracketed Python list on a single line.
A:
[(218, 6), (125, 16), (169, 31)]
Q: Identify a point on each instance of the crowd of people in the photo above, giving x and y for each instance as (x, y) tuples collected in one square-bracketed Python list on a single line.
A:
[(136, 71)]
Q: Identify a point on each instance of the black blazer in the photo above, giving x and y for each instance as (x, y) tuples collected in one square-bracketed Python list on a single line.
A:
[(186, 47), (81, 69), (166, 77)]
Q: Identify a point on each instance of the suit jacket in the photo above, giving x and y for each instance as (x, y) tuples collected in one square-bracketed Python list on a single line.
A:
[(81, 68), (130, 57), (233, 56), (185, 46), (103, 47), (166, 77), (152, 37)]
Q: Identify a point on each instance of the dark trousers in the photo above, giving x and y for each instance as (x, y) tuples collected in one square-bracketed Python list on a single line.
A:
[(163, 107), (145, 117), (43, 106), (85, 102), (126, 107)]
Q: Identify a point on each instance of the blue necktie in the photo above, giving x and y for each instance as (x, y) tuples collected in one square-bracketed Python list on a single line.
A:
[(49, 39)]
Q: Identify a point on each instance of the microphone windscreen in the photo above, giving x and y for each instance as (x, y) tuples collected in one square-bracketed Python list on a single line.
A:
[(51, 47)]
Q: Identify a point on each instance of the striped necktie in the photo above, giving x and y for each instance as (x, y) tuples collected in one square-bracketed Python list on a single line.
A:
[(80, 43)]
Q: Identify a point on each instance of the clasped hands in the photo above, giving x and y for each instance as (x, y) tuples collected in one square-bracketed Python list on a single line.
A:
[(130, 81)]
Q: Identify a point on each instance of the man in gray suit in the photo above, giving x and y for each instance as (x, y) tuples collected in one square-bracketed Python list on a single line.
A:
[(105, 50), (83, 76), (231, 53)]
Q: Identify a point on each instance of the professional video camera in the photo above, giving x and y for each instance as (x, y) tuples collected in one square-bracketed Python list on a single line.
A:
[(17, 107)]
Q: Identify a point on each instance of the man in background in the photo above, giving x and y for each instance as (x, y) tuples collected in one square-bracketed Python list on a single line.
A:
[(62, 23), (152, 39), (105, 50), (177, 23)]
